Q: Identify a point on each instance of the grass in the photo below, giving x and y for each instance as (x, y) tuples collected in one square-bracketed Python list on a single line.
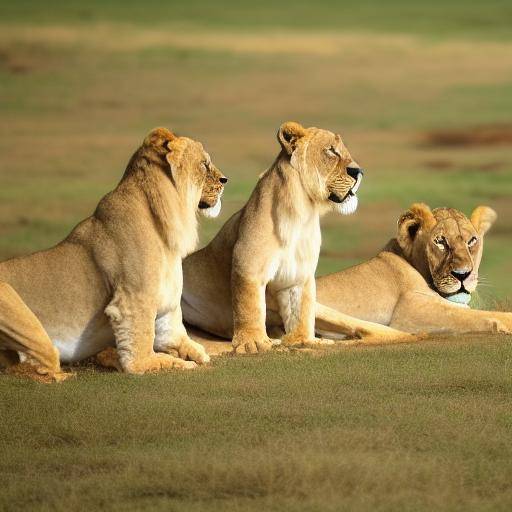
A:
[(390, 428), (453, 18), (85, 95), (396, 428)]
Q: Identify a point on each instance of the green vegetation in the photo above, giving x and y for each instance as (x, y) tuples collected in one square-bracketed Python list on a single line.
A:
[(391, 428), (424, 427), (78, 91)]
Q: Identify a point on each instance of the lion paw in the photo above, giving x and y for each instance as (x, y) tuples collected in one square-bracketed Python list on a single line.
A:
[(181, 364), (109, 358), (320, 342), (189, 349), (290, 340), (498, 327), (156, 362), (243, 344)]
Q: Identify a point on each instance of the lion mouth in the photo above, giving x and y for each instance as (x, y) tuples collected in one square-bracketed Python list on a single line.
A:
[(203, 205), (335, 198)]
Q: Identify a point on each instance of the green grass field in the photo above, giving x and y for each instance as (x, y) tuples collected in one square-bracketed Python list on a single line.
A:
[(424, 427), (390, 428)]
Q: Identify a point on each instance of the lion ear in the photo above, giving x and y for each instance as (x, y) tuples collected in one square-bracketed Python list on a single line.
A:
[(175, 150), (482, 218), (418, 216), (288, 135), (159, 137)]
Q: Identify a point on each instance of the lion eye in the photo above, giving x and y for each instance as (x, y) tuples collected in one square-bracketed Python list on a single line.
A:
[(204, 165), (472, 241), (332, 152), (441, 243)]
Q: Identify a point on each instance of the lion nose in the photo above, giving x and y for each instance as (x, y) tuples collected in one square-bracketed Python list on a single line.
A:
[(354, 172), (461, 274), (223, 179)]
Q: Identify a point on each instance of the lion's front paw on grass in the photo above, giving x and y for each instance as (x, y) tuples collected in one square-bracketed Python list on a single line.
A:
[(157, 362), (301, 342), (498, 327), (181, 364), (194, 352), (321, 342), (167, 362), (243, 344)]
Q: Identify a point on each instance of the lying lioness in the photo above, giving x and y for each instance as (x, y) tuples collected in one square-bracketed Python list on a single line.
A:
[(420, 280), (118, 274), (258, 272)]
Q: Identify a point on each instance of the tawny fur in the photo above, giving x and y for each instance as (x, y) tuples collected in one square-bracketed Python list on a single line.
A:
[(117, 271), (257, 274), (396, 288), (405, 285)]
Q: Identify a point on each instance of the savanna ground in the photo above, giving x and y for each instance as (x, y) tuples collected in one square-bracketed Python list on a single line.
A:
[(421, 93)]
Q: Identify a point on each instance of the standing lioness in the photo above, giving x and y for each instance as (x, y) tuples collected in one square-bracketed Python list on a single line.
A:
[(118, 274)]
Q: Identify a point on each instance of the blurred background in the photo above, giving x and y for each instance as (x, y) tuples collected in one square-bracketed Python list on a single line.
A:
[(420, 91)]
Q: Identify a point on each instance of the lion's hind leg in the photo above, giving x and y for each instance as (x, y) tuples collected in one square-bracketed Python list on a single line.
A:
[(21, 332)]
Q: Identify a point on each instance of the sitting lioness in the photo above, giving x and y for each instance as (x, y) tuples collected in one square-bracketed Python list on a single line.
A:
[(118, 274), (258, 272), (420, 280)]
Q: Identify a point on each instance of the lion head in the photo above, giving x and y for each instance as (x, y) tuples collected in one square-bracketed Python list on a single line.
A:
[(329, 174), (445, 247), (191, 169)]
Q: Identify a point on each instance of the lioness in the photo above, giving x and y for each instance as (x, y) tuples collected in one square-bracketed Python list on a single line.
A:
[(259, 270), (118, 274), (421, 278)]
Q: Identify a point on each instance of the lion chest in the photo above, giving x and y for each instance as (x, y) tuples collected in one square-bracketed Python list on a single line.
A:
[(296, 260)]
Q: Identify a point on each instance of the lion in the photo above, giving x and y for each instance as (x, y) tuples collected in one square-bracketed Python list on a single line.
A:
[(258, 274), (423, 279), (117, 275)]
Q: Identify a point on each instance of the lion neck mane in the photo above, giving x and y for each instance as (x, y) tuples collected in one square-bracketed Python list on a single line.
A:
[(172, 205), (296, 193)]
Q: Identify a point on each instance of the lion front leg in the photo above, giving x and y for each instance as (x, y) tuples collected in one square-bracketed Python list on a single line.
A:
[(297, 310), (132, 318), (416, 312), (333, 323), (171, 336), (250, 336)]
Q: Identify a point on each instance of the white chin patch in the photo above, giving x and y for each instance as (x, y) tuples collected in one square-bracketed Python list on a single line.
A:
[(348, 206), (213, 211), (461, 299)]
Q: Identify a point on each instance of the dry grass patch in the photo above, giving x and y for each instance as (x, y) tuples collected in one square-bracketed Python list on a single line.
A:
[(489, 135)]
